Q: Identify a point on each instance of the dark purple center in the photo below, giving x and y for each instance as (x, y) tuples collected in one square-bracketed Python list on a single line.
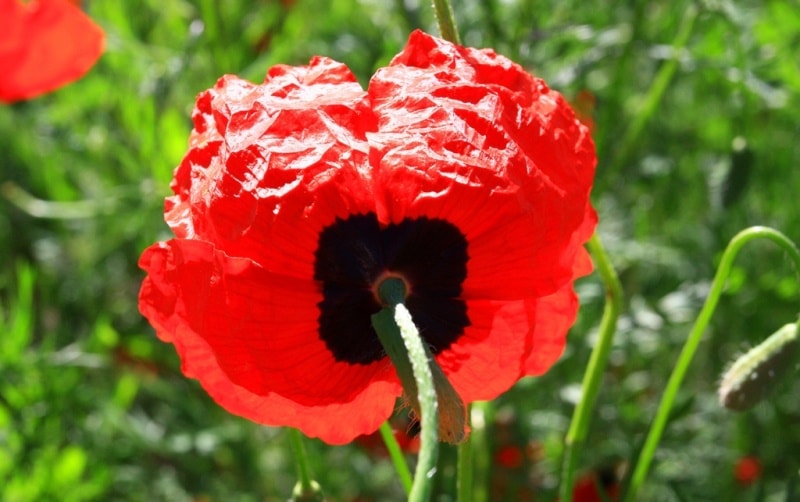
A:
[(353, 253)]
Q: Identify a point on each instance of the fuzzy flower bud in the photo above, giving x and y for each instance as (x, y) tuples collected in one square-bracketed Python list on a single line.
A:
[(754, 374)]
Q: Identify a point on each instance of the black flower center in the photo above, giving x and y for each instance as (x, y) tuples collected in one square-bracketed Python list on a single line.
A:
[(429, 254)]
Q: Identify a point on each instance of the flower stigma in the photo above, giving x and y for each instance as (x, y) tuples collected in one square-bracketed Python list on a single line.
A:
[(391, 289)]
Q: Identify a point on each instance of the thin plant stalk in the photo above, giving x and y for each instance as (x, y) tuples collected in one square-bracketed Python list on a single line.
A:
[(464, 484), (446, 21), (301, 461), (396, 454), (480, 416), (581, 418), (429, 435), (695, 336)]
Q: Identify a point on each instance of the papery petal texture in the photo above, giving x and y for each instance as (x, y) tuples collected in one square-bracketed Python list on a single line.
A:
[(455, 169), (249, 336)]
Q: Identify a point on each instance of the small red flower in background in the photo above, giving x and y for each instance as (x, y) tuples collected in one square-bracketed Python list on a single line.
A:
[(510, 457), (597, 485), (44, 45), (405, 431), (747, 470), (455, 170)]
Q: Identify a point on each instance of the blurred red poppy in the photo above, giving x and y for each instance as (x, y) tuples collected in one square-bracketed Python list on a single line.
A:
[(510, 457), (747, 470), (405, 431), (456, 170), (597, 486), (44, 45)]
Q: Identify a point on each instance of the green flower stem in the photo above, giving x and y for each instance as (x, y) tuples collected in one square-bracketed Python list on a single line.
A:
[(400, 338), (480, 416), (692, 342), (429, 448), (305, 483), (446, 21), (464, 484), (581, 418), (396, 454)]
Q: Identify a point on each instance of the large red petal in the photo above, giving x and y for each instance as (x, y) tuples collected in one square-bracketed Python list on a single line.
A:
[(507, 340), (468, 136), (250, 337), (45, 44), (556, 313), (270, 165), (485, 361)]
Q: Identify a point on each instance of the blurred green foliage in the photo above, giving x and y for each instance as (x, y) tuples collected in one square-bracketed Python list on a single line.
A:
[(696, 128)]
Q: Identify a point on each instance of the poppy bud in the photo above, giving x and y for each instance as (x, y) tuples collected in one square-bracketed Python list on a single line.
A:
[(751, 377), (314, 494)]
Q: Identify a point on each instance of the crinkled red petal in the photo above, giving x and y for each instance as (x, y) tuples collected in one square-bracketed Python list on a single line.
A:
[(469, 136), (270, 165), (46, 44), (250, 337)]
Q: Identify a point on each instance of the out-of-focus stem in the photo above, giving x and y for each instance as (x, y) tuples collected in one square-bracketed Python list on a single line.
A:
[(581, 418)]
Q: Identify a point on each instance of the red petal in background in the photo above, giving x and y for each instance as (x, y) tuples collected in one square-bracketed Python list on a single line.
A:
[(44, 44)]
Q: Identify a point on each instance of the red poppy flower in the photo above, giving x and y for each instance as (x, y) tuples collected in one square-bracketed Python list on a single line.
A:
[(455, 169), (510, 457), (44, 45), (747, 470), (586, 487)]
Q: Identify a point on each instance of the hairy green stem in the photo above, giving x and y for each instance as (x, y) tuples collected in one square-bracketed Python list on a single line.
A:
[(429, 447), (695, 336), (402, 342), (446, 20), (593, 377), (396, 454)]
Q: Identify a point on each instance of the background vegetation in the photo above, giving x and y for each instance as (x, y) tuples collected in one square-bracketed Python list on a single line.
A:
[(695, 113)]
